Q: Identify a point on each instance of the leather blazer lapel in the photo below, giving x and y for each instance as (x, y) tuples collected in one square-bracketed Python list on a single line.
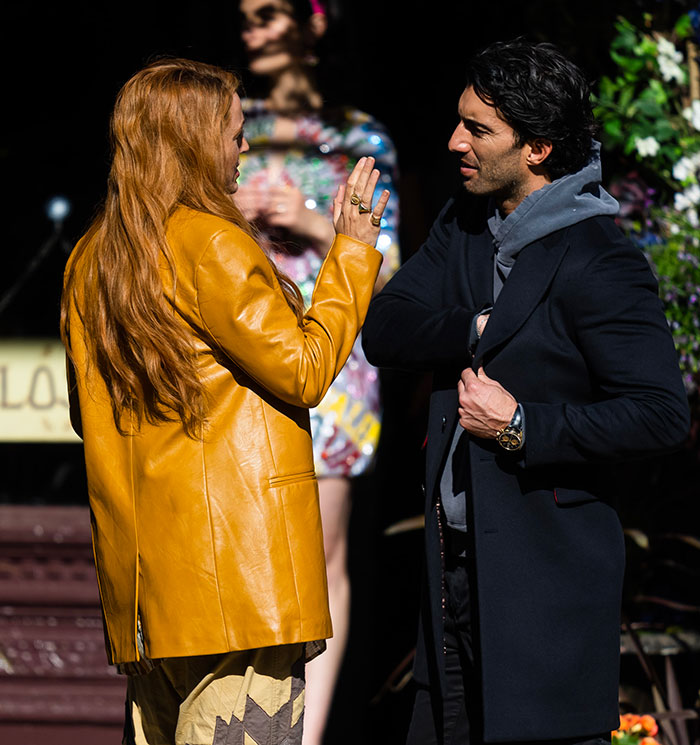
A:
[(533, 272)]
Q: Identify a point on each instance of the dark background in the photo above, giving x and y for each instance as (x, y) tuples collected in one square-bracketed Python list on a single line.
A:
[(400, 61)]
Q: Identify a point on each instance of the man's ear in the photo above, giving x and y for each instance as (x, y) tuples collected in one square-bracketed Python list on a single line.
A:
[(539, 151)]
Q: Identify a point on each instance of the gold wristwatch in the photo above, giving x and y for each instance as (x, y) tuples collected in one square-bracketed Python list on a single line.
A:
[(512, 436)]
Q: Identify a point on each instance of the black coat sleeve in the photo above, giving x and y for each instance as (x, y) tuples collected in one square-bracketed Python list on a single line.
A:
[(622, 333), (408, 325)]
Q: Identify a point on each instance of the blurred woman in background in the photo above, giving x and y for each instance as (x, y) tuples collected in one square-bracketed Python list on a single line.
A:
[(301, 150)]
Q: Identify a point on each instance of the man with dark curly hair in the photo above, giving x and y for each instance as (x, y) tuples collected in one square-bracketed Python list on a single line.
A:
[(553, 370)]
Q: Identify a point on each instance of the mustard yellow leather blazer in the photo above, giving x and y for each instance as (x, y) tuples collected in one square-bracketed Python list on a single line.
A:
[(216, 544)]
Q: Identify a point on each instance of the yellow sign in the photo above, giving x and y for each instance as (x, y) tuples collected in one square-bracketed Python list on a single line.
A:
[(33, 392)]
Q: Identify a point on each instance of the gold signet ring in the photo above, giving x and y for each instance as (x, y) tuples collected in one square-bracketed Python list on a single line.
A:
[(354, 199), (363, 208), (376, 221)]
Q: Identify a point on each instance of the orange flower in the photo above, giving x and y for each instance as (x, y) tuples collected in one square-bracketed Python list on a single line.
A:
[(649, 741), (628, 721), (650, 726)]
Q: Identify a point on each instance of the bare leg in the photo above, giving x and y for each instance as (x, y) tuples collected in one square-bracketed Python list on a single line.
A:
[(322, 673)]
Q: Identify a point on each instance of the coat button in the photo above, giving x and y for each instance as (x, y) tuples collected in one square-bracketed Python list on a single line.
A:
[(444, 423)]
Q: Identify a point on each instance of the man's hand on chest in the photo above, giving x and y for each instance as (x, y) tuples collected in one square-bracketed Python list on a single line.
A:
[(485, 406)]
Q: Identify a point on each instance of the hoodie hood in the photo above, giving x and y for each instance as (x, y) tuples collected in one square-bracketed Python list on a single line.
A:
[(566, 201)]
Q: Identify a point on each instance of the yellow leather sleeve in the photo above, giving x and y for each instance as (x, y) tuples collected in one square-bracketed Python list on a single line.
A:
[(243, 308)]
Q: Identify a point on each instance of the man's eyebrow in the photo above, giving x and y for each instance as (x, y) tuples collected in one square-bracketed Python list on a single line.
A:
[(474, 122)]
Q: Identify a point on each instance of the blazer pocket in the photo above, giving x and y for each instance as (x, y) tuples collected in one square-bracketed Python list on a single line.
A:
[(291, 478), (565, 497)]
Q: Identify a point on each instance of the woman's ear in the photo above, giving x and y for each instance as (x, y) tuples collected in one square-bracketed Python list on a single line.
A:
[(316, 26)]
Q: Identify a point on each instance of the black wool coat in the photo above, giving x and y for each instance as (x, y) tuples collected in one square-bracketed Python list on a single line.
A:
[(579, 337)]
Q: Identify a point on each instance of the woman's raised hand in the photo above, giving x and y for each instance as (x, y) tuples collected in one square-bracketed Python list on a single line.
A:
[(353, 214)]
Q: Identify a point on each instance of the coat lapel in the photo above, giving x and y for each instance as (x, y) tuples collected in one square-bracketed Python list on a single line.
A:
[(534, 270), (479, 269), (471, 284)]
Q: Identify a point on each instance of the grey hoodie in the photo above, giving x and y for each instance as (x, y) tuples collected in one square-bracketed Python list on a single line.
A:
[(566, 201)]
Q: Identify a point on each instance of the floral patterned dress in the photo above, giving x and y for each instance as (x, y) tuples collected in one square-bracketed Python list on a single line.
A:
[(345, 426)]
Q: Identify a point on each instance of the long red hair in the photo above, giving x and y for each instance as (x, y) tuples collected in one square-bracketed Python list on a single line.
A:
[(167, 140)]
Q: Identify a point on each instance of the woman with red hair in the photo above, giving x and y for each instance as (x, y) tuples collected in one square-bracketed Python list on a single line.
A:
[(192, 368)]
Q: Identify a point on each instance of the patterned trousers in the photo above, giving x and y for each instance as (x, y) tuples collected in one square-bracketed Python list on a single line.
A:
[(253, 697)]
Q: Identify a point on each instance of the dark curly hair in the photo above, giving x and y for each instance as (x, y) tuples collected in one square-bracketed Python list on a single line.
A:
[(541, 94)]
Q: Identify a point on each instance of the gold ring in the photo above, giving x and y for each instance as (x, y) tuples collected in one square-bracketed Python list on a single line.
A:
[(354, 199), (376, 221), (363, 208)]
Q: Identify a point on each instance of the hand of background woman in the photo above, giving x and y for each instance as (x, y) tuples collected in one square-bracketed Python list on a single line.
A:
[(251, 201), (352, 208), (287, 209)]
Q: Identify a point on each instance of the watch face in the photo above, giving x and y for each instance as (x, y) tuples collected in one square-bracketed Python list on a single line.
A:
[(510, 438)]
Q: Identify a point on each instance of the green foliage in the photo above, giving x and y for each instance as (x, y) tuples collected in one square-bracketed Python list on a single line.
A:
[(647, 118), (677, 266), (640, 103)]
